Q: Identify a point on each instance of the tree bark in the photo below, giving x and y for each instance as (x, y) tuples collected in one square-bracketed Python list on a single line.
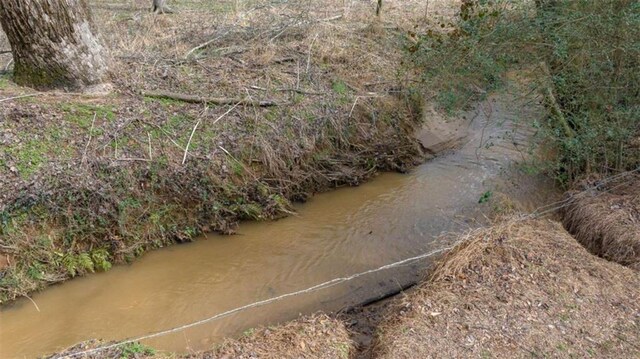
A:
[(160, 7), (55, 44)]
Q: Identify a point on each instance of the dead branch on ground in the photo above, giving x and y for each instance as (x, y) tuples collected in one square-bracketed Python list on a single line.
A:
[(207, 100)]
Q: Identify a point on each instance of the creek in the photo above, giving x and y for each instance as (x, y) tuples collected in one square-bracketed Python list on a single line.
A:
[(334, 234)]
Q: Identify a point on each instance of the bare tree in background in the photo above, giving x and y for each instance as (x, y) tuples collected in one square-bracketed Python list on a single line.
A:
[(54, 44)]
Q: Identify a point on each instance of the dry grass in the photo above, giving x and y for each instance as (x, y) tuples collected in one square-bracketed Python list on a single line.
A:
[(316, 336), (518, 289), (606, 220)]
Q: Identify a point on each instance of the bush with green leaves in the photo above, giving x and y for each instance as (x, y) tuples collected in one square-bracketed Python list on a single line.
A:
[(587, 52)]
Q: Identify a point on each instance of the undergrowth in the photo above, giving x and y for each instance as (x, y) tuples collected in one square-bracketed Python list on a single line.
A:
[(585, 55)]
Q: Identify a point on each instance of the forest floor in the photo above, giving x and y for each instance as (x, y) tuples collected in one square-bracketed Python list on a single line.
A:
[(310, 96)]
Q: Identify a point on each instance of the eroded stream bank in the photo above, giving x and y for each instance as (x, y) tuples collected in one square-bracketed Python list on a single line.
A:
[(335, 234)]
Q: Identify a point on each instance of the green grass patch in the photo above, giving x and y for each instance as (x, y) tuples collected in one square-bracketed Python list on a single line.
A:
[(82, 114)]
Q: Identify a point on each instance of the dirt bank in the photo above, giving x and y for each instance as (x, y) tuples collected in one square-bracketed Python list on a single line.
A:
[(604, 216), (518, 289), (90, 182)]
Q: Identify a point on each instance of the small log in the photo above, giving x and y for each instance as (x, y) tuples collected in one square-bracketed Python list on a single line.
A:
[(207, 100)]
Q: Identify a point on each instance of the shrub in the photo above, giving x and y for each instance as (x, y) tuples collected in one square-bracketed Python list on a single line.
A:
[(586, 52)]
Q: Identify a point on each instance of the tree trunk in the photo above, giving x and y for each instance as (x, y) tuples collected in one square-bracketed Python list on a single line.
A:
[(55, 44), (160, 7)]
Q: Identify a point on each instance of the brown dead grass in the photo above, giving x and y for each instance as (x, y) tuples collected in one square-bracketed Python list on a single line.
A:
[(316, 336), (606, 220), (518, 289), (313, 336)]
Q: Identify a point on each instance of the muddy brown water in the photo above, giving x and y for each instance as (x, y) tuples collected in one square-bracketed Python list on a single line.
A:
[(335, 234)]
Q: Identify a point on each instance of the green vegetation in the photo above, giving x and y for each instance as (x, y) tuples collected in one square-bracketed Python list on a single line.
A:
[(135, 349), (485, 197), (584, 55), (82, 114)]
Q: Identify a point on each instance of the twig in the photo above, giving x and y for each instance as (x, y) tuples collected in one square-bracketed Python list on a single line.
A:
[(207, 100), (224, 114), (333, 18), (284, 59), (302, 92), (186, 149), (32, 301), (554, 107), (201, 46), (21, 96), (238, 161), (298, 74), (5, 52), (150, 155), (165, 133), (208, 43), (354, 106), (309, 55)]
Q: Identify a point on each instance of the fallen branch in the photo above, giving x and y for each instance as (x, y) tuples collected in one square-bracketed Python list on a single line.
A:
[(21, 96), (207, 100), (186, 149), (5, 52), (333, 18), (6, 68), (302, 92)]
